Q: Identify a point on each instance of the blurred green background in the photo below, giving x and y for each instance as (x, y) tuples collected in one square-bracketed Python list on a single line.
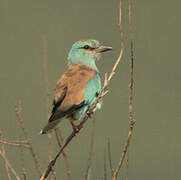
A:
[(156, 146)]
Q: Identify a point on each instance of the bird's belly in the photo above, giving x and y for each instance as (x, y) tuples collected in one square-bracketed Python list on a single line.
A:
[(79, 114), (99, 105)]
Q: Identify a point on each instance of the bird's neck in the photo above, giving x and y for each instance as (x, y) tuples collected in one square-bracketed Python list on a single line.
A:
[(90, 64)]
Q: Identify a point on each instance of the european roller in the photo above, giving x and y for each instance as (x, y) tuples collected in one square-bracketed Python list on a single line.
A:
[(76, 89)]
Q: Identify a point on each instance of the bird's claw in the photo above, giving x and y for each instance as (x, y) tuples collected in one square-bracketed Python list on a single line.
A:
[(74, 127), (89, 115)]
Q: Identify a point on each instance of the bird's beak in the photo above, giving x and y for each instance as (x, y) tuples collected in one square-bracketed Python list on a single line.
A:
[(103, 49)]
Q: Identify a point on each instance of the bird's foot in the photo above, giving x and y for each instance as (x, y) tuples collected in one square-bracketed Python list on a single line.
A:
[(89, 115), (74, 127)]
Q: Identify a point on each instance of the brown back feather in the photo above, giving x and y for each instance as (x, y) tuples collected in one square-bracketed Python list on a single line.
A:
[(74, 79)]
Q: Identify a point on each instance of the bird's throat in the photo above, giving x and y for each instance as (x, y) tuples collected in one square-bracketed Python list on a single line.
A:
[(89, 63)]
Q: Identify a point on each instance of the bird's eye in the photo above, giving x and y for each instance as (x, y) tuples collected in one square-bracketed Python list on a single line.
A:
[(86, 47)]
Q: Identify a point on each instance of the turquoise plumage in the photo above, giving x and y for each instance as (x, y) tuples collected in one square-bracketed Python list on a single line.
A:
[(78, 86)]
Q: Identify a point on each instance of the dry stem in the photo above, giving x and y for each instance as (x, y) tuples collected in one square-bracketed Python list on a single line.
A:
[(109, 157), (45, 73), (8, 164), (105, 165), (14, 143), (23, 171), (21, 126), (59, 142), (131, 121), (91, 149)]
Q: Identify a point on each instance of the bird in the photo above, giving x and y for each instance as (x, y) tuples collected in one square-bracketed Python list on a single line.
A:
[(77, 88)]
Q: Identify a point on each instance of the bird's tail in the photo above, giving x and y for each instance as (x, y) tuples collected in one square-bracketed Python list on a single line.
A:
[(49, 127)]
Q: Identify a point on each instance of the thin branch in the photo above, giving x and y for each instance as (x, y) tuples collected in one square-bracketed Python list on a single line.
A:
[(53, 174), (25, 134), (8, 164), (131, 82), (59, 142), (45, 73), (14, 143), (72, 135), (131, 120), (123, 155), (127, 164), (21, 144), (109, 157), (58, 138), (7, 170), (23, 171), (105, 166), (91, 149), (49, 146)]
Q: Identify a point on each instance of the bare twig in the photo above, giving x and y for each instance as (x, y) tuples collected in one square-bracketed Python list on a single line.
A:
[(25, 134), (72, 135), (131, 120), (14, 143), (7, 170), (47, 91), (21, 144), (59, 142), (127, 165), (53, 174), (109, 157), (105, 165), (91, 149), (123, 155), (23, 171), (58, 138), (45, 73), (8, 164), (122, 45)]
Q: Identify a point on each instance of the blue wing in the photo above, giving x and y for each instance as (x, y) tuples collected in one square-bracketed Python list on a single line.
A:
[(93, 87)]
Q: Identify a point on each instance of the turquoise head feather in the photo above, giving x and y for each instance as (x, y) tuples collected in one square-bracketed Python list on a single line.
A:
[(86, 52)]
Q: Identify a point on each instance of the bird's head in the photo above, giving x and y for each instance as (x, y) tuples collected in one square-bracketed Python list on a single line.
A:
[(86, 52)]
